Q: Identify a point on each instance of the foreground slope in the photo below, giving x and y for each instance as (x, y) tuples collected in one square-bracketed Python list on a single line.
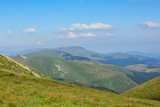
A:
[(19, 89), (148, 90)]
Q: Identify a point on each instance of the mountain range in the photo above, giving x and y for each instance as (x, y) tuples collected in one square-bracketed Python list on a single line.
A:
[(87, 69)]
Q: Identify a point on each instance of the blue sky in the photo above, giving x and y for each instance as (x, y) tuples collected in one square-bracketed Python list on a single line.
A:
[(100, 25)]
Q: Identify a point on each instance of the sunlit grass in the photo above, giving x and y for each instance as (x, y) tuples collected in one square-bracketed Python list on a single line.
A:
[(148, 90)]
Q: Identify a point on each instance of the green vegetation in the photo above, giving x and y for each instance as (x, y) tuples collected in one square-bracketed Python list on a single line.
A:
[(100, 76), (21, 89), (105, 77), (7, 64), (148, 90)]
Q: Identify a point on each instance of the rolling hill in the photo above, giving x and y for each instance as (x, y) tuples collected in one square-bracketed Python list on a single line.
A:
[(20, 88), (100, 76), (148, 90), (79, 51)]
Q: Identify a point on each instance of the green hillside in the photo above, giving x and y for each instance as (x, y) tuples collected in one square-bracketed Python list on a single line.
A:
[(21, 89), (105, 77), (7, 64), (148, 90)]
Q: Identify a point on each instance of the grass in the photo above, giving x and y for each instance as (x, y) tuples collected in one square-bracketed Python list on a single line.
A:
[(148, 90), (22, 90), (8, 64)]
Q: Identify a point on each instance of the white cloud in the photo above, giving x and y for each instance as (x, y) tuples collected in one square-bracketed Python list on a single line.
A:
[(110, 34), (9, 32), (87, 34), (71, 35), (93, 26), (30, 30), (150, 24)]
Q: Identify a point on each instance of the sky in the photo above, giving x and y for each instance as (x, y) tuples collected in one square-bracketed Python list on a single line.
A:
[(99, 25)]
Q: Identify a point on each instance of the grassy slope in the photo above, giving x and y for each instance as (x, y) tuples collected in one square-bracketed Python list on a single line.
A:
[(84, 74), (19, 90), (148, 90), (8, 64)]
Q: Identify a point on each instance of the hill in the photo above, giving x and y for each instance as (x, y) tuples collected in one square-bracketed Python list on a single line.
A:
[(20, 89), (148, 90), (105, 77), (79, 51)]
